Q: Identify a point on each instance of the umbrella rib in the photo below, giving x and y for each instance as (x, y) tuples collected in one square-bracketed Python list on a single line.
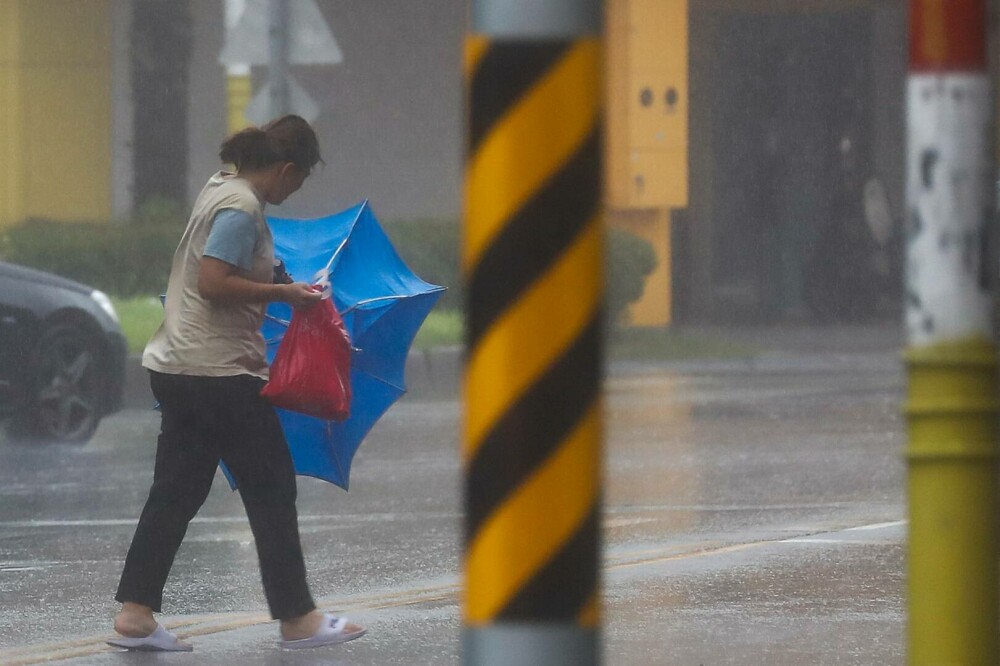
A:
[(386, 382), (278, 320), (347, 236), (374, 300), (336, 458), (394, 297), (333, 257)]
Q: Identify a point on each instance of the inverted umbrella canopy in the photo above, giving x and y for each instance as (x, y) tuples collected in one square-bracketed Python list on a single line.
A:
[(383, 304)]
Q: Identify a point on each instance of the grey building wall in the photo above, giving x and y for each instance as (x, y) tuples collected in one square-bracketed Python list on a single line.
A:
[(891, 57), (728, 263), (121, 111)]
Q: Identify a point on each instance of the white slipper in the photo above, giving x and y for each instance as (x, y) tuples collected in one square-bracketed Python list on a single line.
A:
[(160, 640), (333, 630)]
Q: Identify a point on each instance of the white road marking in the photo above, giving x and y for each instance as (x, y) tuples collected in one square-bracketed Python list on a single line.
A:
[(810, 540), (16, 569), (877, 526), (625, 522), (832, 538)]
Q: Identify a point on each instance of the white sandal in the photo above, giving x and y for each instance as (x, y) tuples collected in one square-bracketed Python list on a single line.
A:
[(160, 640), (331, 631)]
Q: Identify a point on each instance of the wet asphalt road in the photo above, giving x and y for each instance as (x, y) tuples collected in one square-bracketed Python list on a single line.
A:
[(753, 516)]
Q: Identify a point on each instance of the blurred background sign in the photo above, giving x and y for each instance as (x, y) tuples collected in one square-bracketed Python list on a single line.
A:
[(310, 40), (258, 111), (275, 33)]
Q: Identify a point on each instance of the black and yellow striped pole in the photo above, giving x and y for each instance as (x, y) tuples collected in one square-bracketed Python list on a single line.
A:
[(532, 257)]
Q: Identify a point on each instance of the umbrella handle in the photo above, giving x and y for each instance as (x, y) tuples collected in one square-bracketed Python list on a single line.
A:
[(322, 280)]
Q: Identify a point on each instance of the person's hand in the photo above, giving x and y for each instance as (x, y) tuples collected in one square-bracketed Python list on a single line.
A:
[(300, 294)]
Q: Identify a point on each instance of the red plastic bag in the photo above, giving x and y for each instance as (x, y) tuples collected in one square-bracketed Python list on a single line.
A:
[(312, 367)]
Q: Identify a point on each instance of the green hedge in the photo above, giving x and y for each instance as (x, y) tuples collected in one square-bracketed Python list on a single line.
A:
[(133, 259), (121, 260), (628, 261), (431, 249)]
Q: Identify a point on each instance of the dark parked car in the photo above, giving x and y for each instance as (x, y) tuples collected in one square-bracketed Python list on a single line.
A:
[(62, 356)]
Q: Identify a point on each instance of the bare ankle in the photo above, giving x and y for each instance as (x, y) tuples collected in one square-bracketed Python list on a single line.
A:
[(135, 620), (302, 626)]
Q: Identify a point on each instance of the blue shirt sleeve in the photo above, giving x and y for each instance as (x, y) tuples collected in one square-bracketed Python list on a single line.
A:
[(232, 238)]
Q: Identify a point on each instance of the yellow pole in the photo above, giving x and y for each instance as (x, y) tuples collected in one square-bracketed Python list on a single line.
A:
[(952, 493), (239, 90), (952, 403)]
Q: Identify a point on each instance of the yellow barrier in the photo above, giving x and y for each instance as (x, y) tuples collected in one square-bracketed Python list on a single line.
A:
[(952, 412)]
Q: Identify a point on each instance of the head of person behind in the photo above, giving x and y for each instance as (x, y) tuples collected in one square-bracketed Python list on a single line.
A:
[(275, 158)]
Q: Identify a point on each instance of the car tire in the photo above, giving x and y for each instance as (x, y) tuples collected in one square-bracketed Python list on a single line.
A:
[(65, 403)]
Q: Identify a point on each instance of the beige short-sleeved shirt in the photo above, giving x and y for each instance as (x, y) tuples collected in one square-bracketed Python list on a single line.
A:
[(202, 338)]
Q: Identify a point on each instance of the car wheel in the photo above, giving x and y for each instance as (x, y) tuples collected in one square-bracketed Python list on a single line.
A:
[(66, 400)]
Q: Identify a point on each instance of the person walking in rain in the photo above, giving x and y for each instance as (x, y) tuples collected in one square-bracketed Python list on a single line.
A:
[(207, 366)]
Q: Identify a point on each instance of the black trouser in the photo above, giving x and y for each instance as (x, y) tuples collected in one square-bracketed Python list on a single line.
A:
[(204, 420)]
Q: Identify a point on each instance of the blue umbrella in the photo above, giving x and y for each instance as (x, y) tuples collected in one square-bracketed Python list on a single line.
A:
[(383, 304)]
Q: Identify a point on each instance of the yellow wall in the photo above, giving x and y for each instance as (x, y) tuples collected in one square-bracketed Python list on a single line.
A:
[(646, 147), (10, 112), (55, 110), (647, 138)]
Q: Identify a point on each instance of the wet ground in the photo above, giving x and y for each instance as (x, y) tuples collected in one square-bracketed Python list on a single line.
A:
[(754, 515)]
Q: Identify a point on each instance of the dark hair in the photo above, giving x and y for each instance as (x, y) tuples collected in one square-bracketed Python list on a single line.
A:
[(285, 139)]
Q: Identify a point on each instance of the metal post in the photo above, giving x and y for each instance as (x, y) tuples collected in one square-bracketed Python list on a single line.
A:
[(239, 89), (952, 366), (278, 47), (531, 256)]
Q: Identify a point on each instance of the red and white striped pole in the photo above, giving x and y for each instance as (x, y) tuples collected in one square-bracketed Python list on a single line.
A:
[(952, 402)]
